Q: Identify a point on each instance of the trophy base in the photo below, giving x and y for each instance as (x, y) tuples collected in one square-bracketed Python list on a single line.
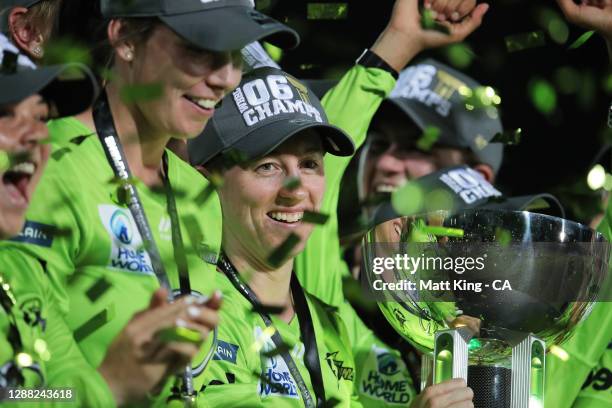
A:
[(491, 385)]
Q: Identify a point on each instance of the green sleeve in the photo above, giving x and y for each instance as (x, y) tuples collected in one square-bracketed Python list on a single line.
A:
[(350, 105), (567, 369)]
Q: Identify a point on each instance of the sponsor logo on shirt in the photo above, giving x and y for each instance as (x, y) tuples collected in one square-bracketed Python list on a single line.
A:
[(127, 251), (32, 313), (337, 366), (37, 234), (226, 351), (275, 380), (469, 185), (385, 377)]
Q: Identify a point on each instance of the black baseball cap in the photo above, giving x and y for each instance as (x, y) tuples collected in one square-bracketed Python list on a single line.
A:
[(215, 25), (268, 107), (429, 93), (69, 88), (456, 189)]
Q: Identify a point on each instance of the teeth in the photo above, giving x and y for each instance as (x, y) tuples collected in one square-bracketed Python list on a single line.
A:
[(25, 168), (204, 103), (287, 217), (386, 188)]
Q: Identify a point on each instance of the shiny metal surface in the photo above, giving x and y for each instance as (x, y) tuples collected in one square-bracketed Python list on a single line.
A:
[(541, 272)]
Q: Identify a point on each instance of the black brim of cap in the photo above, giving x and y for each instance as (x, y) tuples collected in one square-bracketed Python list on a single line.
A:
[(71, 88), (230, 28), (267, 138)]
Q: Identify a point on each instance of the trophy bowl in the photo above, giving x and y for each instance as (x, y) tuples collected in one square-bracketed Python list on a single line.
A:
[(498, 282)]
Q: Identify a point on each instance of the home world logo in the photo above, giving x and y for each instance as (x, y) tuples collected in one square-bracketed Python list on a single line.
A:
[(127, 252)]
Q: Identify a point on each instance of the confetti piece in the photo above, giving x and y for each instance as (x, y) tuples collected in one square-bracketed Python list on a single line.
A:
[(315, 218), (504, 237), (581, 40), (543, 96), (268, 309), (281, 254), (508, 137), (292, 183), (5, 161), (430, 136), (520, 42), (180, 334), (141, 92), (98, 289), (63, 51), (443, 231), (460, 55), (428, 22), (327, 11), (94, 323)]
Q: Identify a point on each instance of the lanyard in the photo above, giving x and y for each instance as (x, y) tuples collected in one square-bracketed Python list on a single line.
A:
[(12, 375), (311, 353), (105, 127)]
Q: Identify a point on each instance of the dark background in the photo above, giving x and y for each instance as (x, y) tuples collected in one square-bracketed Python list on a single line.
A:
[(556, 150)]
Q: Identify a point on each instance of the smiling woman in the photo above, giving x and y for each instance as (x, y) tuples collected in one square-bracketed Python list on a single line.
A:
[(117, 207)]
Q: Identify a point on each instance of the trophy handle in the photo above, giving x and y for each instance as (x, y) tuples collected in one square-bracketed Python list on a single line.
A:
[(450, 358)]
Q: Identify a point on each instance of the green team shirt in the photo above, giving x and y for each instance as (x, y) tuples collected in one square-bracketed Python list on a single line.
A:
[(243, 374), (57, 360), (100, 273), (582, 376)]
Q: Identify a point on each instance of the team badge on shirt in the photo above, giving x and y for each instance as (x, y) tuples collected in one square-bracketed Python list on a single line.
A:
[(275, 380), (127, 249)]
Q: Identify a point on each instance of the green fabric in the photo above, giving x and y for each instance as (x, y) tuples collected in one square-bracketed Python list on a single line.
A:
[(583, 379), (62, 131), (37, 320), (382, 378), (99, 271), (233, 378), (350, 105)]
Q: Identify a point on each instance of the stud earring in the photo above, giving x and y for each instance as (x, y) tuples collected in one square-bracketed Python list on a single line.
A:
[(129, 56), (37, 51)]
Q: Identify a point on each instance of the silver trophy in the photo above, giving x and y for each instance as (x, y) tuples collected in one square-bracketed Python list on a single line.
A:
[(484, 293)]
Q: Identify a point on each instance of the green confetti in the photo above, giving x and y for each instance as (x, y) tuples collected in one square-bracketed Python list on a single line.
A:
[(292, 183), (205, 195), (508, 137), (315, 218), (141, 92), (281, 254), (63, 51), (180, 334), (274, 52), (524, 41), (558, 30), (94, 323), (581, 40), (460, 55), (267, 309), (428, 22), (332, 403), (480, 97), (543, 96), (443, 231), (567, 80), (504, 237), (327, 11), (5, 161), (235, 157), (430, 136)]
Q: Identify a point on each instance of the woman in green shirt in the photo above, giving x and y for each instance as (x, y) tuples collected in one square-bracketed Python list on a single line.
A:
[(278, 345)]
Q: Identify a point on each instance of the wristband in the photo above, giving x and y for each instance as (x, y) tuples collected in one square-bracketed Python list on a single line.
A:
[(369, 59)]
